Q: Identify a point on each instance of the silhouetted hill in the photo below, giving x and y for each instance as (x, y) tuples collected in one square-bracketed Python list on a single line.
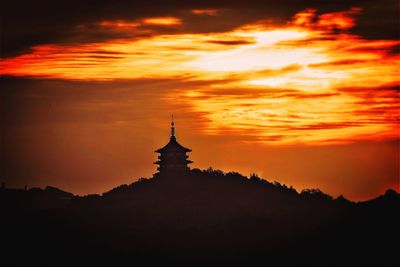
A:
[(208, 218), (34, 199)]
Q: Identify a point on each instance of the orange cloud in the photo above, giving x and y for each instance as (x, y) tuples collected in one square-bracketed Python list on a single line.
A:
[(296, 75), (137, 24), (162, 21), (305, 18), (119, 24), (208, 12), (339, 20)]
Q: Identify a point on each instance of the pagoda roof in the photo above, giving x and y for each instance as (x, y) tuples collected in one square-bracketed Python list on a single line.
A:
[(173, 146)]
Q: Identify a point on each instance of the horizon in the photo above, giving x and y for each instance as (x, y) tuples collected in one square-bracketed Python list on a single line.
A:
[(305, 94), (275, 183)]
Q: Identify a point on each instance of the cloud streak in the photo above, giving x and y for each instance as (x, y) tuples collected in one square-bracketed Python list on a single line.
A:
[(308, 78)]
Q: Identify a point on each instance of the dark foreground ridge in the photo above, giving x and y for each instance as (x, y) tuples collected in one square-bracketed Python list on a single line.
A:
[(201, 218)]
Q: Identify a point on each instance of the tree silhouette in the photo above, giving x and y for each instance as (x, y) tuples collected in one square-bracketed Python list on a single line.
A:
[(204, 217)]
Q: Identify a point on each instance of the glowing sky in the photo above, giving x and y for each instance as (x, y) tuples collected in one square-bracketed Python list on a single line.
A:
[(262, 86)]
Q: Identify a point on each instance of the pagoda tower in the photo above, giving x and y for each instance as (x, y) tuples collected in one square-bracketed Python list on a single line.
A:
[(173, 158)]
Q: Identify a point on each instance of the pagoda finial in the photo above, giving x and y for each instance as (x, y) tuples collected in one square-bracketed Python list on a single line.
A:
[(172, 125)]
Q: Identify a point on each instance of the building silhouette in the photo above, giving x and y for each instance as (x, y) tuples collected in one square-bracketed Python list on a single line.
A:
[(173, 158)]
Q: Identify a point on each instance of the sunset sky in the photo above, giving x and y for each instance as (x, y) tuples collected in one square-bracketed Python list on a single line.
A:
[(305, 93)]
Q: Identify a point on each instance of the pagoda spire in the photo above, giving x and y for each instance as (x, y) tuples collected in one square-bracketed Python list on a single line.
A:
[(172, 126)]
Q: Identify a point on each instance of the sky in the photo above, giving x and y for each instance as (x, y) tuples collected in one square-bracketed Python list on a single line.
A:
[(300, 92)]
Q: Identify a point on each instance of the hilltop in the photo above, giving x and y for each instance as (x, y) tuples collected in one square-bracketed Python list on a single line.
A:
[(205, 218)]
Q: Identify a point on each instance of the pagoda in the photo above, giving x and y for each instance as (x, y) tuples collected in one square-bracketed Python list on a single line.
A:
[(173, 158)]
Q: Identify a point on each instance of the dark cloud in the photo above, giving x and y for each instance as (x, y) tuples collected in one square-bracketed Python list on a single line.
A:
[(378, 20), (231, 42), (300, 95), (388, 48), (339, 63), (25, 24), (390, 90), (325, 126)]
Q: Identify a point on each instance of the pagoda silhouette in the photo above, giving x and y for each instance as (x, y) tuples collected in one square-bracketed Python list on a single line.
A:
[(173, 158)]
